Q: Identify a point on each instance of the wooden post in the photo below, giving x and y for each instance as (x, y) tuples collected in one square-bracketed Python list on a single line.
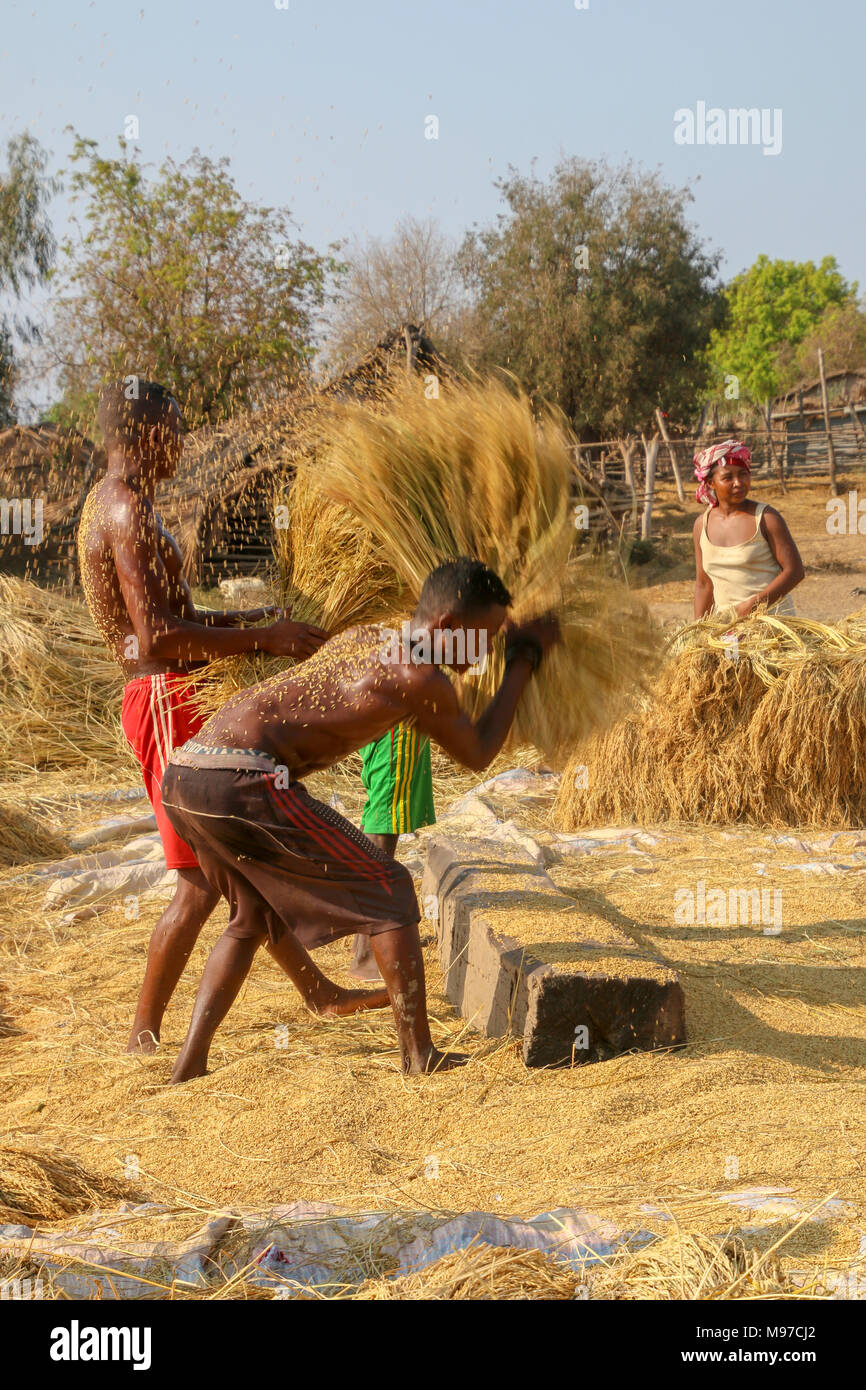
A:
[(627, 448), (859, 432), (831, 451), (678, 477), (651, 450), (771, 448)]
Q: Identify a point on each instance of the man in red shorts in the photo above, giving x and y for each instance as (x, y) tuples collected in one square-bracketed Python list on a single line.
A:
[(133, 581)]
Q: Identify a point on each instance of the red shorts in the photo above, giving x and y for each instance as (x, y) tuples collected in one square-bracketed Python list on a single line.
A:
[(156, 717)]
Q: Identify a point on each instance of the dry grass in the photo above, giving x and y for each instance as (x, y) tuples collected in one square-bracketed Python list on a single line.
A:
[(480, 1272), (24, 838), (772, 731), (59, 689), (699, 1268), (295, 1108), (476, 472), (41, 1185)]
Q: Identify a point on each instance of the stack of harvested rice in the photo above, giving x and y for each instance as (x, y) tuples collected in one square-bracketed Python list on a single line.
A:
[(24, 839), (39, 1184), (762, 722), (402, 486), (59, 689), (697, 1267)]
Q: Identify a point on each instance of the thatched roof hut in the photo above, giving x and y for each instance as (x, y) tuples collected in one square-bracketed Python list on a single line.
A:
[(45, 475), (220, 504)]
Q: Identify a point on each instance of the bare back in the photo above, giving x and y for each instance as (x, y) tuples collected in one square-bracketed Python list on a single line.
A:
[(128, 560), (343, 697)]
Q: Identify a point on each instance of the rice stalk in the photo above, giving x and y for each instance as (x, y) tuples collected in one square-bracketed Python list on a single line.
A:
[(762, 722), (39, 1185), (59, 689)]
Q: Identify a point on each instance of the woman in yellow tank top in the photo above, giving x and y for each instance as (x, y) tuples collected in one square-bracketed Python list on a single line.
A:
[(744, 553)]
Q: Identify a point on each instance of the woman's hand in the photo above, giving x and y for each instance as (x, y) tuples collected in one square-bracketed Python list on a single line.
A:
[(743, 609)]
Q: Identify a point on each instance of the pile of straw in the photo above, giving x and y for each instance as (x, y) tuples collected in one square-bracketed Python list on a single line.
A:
[(24, 839), (763, 722), (691, 1267), (59, 689), (43, 1185), (398, 487), (482, 1272)]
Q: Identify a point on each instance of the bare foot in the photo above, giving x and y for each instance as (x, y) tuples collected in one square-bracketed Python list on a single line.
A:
[(143, 1040), (349, 1001), (434, 1061)]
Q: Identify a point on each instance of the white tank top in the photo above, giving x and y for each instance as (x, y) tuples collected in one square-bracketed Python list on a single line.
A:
[(740, 571)]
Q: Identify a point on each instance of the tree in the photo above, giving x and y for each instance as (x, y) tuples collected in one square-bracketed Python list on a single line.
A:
[(27, 247), (410, 278), (593, 289), (771, 307), (840, 331), (176, 277)]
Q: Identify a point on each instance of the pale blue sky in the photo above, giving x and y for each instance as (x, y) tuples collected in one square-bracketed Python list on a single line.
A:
[(322, 106)]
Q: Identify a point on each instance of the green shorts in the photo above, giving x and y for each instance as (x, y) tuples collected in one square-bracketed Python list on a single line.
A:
[(398, 780)]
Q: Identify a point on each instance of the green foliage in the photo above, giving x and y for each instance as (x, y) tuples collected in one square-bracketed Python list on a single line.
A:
[(26, 246), (595, 292), (76, 411), (841, 332), (176, 277), (771, 307)]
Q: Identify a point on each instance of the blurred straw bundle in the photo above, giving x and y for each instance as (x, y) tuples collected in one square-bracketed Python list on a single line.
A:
[(477, 472), (24, 838), (59, 688), (329, 572), (686, 1266), (397, 488), (40, 1184), (762, 722)]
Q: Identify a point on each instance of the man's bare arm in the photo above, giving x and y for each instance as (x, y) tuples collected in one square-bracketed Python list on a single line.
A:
[(208, 617), (165, 635), (439, 715), (438, 712), (240, 617)]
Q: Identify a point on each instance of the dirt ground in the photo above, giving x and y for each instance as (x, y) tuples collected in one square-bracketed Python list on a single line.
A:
[(768, 1094), (835, 565)]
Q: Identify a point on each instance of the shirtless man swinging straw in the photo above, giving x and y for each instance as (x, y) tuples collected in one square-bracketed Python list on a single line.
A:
[(296, 874)]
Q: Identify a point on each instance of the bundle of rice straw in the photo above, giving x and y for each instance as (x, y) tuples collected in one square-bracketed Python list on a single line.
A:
[(684, 1266), (392, 488), (39, 1184), (763, 722), (473, 472), (59, 689), (482, 1272), (24, 839)]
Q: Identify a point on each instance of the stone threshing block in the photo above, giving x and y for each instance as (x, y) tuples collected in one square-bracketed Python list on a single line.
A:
[(610, 996)]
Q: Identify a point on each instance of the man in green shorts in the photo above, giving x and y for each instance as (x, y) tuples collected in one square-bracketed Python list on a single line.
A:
[(398, 780)]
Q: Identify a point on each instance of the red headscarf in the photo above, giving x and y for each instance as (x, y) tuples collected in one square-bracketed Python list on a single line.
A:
[(731, 451)]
